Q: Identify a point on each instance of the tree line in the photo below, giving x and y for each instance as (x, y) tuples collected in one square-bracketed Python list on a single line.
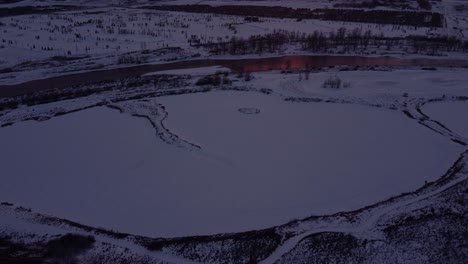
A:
[(410, 18), (342, 39)]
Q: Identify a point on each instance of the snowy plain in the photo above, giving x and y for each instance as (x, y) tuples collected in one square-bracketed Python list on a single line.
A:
[(34, 45)]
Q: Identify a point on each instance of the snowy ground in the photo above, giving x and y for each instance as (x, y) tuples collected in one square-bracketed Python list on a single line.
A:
[(34, 46), (115, 31)]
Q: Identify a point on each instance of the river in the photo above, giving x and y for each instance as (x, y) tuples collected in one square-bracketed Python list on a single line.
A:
[(251, 65)]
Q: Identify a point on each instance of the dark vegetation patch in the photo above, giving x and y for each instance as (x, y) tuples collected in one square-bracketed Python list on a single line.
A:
[(3, 2), (303, 99), (424, 4), (409, 18), (28, 10), (461, 8), (214, 80), (158, 82), (68, 58), (55, 61), (129, 59), (100, 231), (249, 110), (6, 70), (19, 253), (64, 249), (246, 247), (435, 233), (328, 248), (371, 4), (335, 82), (340, 41)]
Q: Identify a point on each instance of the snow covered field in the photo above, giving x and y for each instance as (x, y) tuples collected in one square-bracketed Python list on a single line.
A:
[(254, 171), (105, 33), (111, 31)]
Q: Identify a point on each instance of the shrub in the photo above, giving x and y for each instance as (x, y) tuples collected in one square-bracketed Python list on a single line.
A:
[(128, 59), (248, 76), (332, 82), (214, 80), (424, 4)]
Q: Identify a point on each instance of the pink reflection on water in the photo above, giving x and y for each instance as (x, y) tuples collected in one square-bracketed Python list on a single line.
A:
[(302, 62)]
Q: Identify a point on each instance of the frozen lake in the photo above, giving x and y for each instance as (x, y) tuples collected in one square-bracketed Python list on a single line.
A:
[(452, 114), (106, 169)]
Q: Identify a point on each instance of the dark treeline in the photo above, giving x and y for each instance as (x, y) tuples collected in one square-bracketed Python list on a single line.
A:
[(3, 2), (411, 18), (374, 3), (401, 4), (154, 83), (340, 41), (28, 10)]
